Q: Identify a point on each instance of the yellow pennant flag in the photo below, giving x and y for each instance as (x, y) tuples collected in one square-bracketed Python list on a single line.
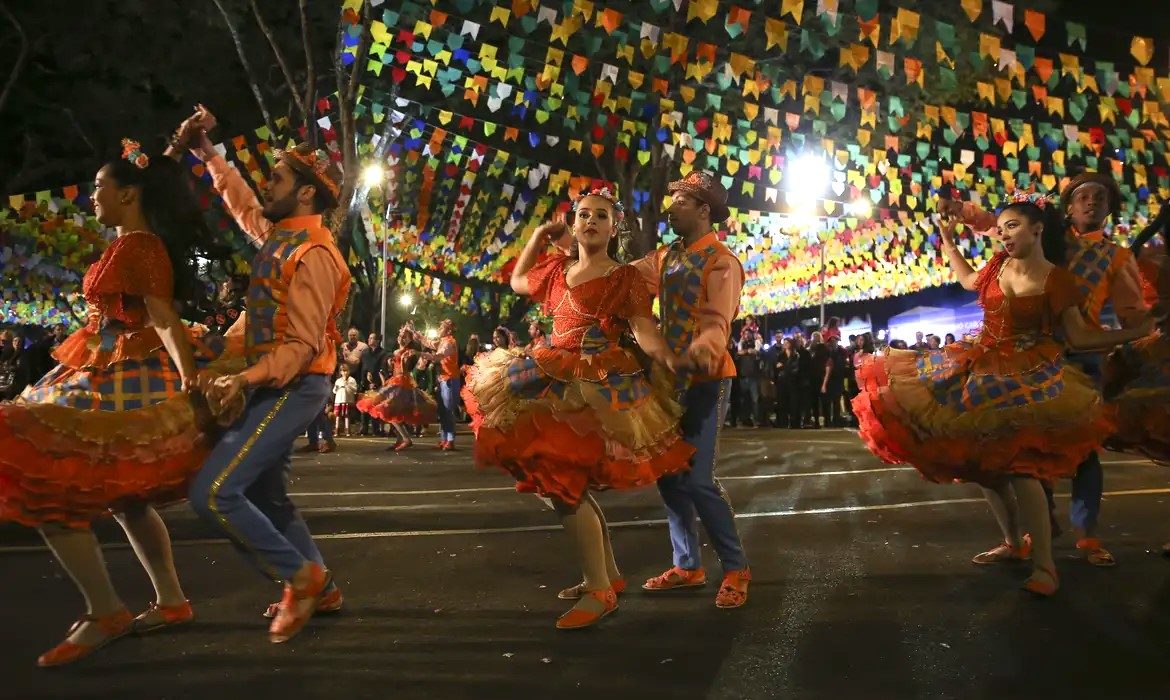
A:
[(1142, 49), (973, 8), (792, 7), (776, 32)]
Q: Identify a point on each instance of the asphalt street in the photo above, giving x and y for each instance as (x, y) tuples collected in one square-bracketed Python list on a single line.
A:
[(862, 588)]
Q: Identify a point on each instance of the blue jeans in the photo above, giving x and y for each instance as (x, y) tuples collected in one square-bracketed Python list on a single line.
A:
[(1089, 482), (241, 489), (448, 405), (321, 428), (749, 400), (697, 492)]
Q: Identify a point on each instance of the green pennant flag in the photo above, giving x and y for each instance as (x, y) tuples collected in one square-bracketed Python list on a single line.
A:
[(945, 33), (866, 9), (1075, 33)]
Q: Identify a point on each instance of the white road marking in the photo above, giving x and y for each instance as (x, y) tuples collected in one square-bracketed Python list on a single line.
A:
[(620, 524)]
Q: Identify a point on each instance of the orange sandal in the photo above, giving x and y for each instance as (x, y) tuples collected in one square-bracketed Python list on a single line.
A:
[(1095, 553), (1005, 552), (330, 603), (576, 618), (734, 591), (115, 625), (167, 616), (676, 577), (1044, 589), (288, 622), (575, 592)]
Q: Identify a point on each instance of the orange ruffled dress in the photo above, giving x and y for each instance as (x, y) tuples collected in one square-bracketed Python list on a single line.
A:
[(1006, 404), (1137, 377), (110, 425), (580, 413), (400, 400)]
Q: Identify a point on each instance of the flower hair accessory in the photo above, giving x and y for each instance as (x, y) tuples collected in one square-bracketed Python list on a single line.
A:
[(1030, 197), (605, 193), (132, 151)]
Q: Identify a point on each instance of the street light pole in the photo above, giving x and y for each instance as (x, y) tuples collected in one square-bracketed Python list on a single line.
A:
[(385, 277), (822, 284)]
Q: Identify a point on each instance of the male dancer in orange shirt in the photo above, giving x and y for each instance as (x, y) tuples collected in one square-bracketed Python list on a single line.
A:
[(698, 282), (299, 285)]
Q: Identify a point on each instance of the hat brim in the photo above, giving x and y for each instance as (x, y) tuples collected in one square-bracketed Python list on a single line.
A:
[(1085, 178), (306, 172)]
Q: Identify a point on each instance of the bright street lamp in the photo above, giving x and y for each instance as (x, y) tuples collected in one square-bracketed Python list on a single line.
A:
[(405, 300), (373, 175), (861, 208), (808, 178)]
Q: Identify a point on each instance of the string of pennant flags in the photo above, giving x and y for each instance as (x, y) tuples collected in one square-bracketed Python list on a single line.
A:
[(499, 109)]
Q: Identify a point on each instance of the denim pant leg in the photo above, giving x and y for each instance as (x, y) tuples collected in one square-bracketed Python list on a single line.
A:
[(269, 494), (698, 491), (448, 403), (1089, 482), (254, 446)]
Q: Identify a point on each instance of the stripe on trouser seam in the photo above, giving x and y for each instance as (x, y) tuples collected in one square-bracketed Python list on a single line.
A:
[(231, 467), (719, 417)]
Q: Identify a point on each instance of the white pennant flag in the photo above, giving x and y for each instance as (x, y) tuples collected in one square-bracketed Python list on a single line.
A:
[(1003, 12), (470, 29)]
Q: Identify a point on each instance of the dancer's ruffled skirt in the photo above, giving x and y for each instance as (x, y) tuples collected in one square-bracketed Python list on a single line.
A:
[(561, 422), (1138, 383), (84, 441), (400, 401), (974, 413)]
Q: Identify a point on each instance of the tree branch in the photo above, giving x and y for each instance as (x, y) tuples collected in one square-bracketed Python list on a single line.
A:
[(288, 79), (310, 65), (247, 66), (21, 58)]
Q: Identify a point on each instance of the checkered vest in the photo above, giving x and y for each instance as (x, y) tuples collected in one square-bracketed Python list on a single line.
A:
[(1090, 263), (682, 291), (267, 308)]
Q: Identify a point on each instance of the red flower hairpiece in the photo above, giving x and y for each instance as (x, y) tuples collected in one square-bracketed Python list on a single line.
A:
[(132, 151)]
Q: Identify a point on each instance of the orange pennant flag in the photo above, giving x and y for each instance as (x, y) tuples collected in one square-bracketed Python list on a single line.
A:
[(776, 32), (1035, 22), (973, 8)]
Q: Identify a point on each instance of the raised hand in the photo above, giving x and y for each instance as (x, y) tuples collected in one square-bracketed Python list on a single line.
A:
[(947, 231), (950, 207), (551, 231), (206, 119)]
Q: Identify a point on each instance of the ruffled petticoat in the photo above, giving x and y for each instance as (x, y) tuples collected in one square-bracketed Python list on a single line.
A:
[(977, 413), (563, 421), (87, 440), (400, 401), (1137, 380)]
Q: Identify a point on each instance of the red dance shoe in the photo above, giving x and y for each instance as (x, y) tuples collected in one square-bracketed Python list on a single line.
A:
[(329, 603), (115, 625), (289, 618), (157, 617), (577, 618), (676, 577), (734, 591), (575, 592)]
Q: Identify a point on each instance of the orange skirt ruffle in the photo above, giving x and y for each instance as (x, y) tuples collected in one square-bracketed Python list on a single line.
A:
[(1139, 375), (400, 401), (904, 418), (571, 436), (69, 466)]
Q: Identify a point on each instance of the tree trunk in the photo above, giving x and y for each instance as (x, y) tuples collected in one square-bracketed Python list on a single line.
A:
[(252, 82), (21, 58), (288, 79)]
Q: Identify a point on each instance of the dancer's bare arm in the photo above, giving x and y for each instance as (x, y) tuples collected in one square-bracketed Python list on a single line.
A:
[(964, 273)]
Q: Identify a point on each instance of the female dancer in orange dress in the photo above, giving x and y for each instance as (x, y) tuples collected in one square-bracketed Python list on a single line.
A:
[(1137, 377), (400, 401), (1005, 410), (112, 428), (581, 413)]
